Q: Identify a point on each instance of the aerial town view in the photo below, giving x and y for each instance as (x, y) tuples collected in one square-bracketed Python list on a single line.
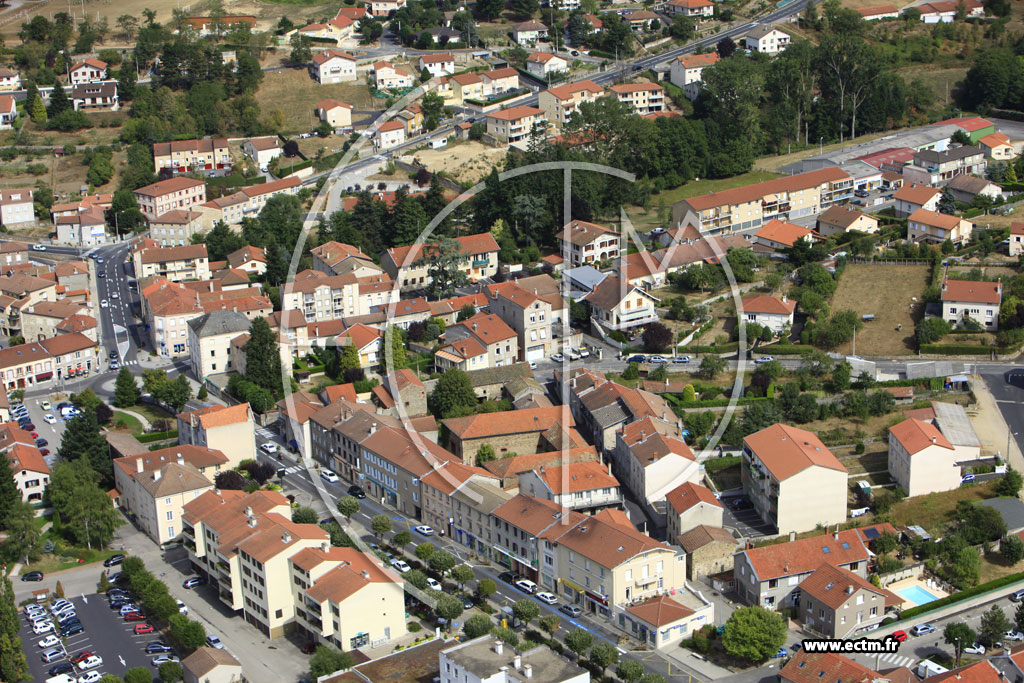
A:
[(512, 341)]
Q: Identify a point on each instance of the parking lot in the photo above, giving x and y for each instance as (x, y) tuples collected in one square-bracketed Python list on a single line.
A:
[(51, 432), (744, 519), (106, 634)]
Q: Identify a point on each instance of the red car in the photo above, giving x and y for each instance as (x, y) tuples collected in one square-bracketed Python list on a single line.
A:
[(143, 628), (81, 656), (35, 435), (44, 451), (134, 616), (900, 636), (309, 648)]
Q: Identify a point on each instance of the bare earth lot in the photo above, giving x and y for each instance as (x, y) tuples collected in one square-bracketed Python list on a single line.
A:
[(465, 162), (885, 292), (296, 94)]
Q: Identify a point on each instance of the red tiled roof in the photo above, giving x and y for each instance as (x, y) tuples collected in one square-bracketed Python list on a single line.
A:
[(972, 292), (806, 554), (699, 61), (968, 123), (749, 193), (684, 497), (660, 611), (481, 243), (769, 304), (787, 450), (807, 667), (915, 435), (515, 113), (782, 232), (916, 194)]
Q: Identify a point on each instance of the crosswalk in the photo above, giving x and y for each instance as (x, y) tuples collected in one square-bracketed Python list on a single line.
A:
[(894, 659), (293, 469), (265, 433)]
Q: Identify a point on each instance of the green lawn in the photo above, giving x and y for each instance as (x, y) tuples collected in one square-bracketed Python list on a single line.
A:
[(935, 511), (55, 563), (130, 422), (152, 413)]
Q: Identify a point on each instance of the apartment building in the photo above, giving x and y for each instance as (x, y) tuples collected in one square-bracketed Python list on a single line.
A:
[(526, 313), (932, 227), (687, 72), (16, 207), (336, 114), (176, 228), (46, 318), (333, 66), (90, 70), (156, 486), (409, 265), (773, 312), (459, 499), (582, 243), (651, 459), (977, 301), (932, 167), (561, 102), (332, 584), (533, 430), (167, 308), (794, 482), (177, 264), (483, 341), (485, 660), (543, 64), (204, 155), (767, 40), (923, 460), (227, 429), (691, 505), (87, 228), (743, 208), (770, 576), (35, 363), (29, 468), (515, 124), (242, 543), (909, 198), (323, 297), (616, 305), (335, 258), (585, 486), (643, 98), (247, 202), (169, 195), (601, 407), (209, 341), (466, 86)]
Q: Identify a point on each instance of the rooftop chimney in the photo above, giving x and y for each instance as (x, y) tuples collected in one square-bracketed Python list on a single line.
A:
[(248, 511), (286, 537), (366, 575), (934, 438), (139, 465), (528, 671), (849, 590), (325, 547), (181, 459), (517, 662), (609, 468), (499, 647), (252, 522)]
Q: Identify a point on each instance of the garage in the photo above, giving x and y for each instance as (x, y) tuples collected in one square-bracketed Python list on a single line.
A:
[(535, 353)]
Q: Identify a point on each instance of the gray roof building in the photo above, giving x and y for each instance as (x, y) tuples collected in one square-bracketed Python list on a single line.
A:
[(219, 322)]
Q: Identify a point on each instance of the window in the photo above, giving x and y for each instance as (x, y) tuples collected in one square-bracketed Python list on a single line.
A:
[(170, 532), (629, 575), (170, 515), (279, 613)]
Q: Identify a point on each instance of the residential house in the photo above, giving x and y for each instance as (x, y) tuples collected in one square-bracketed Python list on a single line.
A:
[(12, 252), (438, 64), (336, 114), (155, 487), (839, 219), (601, 408), (997, 147), (485, 660), (770, 576), (97, 96), (808, 667), (529, 33), (689, 505), (87, 228), (767, 39), (640, 20), (910, 198), (332, 583), (209, 341), (34, 363), (588, 243), (709, 551), (42, 319), (408, 265), (743, 208), (526, 313), (935, 228), (167, 307), (516, 124), (385, 8), (695, 9), (369, 343), (176, 228), (978, 301), (192, 156), (90, 70), (483, 341), (945, 11), (16, 207), (665, 621), (542, 64), (513, 431), (644, 98), (561, 102), (338, 30), (263, 150), (793, 480), (779, 235), (651, 460), (335, 258), (323, 297), (27, 465), (8, 112), (211, 665), (466, 86), (387, 77), (333, 66), (775, 313), (578, 486), (9, 80), (1016, 246), (932, 167), (169, 195), (389, 135), (877, 12), (966, 187), (838, 603), (252, 260), (242, 543), (227, 429), (188, 262), (618, 306), (402, 394), (205, 26), (500, 81)]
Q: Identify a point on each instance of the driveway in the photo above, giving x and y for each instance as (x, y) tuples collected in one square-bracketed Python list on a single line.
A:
[(746, 521)]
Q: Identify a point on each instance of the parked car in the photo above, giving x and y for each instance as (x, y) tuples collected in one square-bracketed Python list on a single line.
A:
[(356, 492), (62, 668), (42, 627), (214, 641), (657, 358), (329, 476), (32, 576), (508, 577), (143, 628), (570, 610), (90, 677), (423, 530), (547, 598), (681, 359), (1017, 597), (164, 659), (91, 663), (922, 629), (401, 565), (967, 478), (157, 647), (49, 641), (268, 448), (557, 358), (783, 652), (433, 585), (1013, 634), (636, 359), (134, 616), (182, 607), (71, 629), (81, 656), (975, 649), (113, 560), (763, 359), (526, 586)]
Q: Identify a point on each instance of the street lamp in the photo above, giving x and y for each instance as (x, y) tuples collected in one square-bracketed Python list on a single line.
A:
[(1008, 435)]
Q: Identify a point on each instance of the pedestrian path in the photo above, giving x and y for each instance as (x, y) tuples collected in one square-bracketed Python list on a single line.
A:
[(892, 659), (265, 433)]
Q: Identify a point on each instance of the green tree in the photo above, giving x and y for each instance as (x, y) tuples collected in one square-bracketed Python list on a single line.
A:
[(416, 578), (424, 551), (1018, 617), (84, 508), (947, 202), (443, 259), (304, 515), (579, 641), (754, 633), (348, 506), (9, 494), (526, 610), (959, 635), (448, 607), (189, 633), (433, 110), (549, 623), (381, 524), (171, 672), (126, 389), (604, 655), (138, 674), (13, 665), (59, 102), (477, 625), (931, 330), (711, 366), (630, 670), (463, 574), (1012, 549), (24, 540), (993, 623), (327, 660), (401, 539), (485, 454), (1010, 483), (652, 678), (263, 359), (38, 111), (453, 395), (485, 587), (442, 562)]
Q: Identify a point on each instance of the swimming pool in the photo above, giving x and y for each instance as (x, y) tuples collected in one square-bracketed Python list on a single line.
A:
[(917, 595)]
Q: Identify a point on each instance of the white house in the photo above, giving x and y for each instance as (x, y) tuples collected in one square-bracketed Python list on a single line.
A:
[(651, 459), (9, 79), (438, 64), (910, 198), (390, 134), (687, 71), (979, 301), (767, 39), (262, 150), (16, 208), (89, 71), (8, 111), (333, 66), (529, 32), (543, 63), (922, 459), (699, 9), (386, 76), (772, 312)]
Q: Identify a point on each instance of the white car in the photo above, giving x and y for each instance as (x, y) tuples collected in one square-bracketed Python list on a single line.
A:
[(59, 604), (763, 359), (42, 627), (49, 641), (432, 584), (49, 419), (90, 677), (104, 303), (558, 358), (182, 607), (38, 247), (526, 586), (164, 659), (115, 295), (268, 448), (214, 642), (401, 565), (1013, 634), (329, 476), (423, 530), (547, 598), (976, 649)]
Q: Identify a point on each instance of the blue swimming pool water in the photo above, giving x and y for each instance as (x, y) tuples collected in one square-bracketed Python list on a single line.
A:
[(917, 595)]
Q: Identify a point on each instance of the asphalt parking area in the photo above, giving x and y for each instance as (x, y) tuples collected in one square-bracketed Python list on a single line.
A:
[(106, 634), (746, 521)]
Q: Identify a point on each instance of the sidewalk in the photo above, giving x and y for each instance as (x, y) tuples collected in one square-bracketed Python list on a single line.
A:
[(991, 427), (691, 660)]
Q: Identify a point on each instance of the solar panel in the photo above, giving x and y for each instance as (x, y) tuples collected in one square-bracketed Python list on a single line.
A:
[(871, 534), (825, 549)]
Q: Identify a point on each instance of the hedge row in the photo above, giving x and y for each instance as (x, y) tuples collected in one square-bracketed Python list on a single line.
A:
[(962, 595), (784, 349), (721, 348), (158, 436), (958, 349), (713, 402)]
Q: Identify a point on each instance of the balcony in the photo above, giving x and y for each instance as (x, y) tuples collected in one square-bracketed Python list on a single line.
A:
[(189, 531), (224, 568)]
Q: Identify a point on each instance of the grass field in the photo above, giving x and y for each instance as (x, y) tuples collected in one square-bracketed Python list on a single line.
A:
[(887, 292), (874, 459), (941, 81), (645, 219), (935, 510), (296, 94), (131, 423)]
